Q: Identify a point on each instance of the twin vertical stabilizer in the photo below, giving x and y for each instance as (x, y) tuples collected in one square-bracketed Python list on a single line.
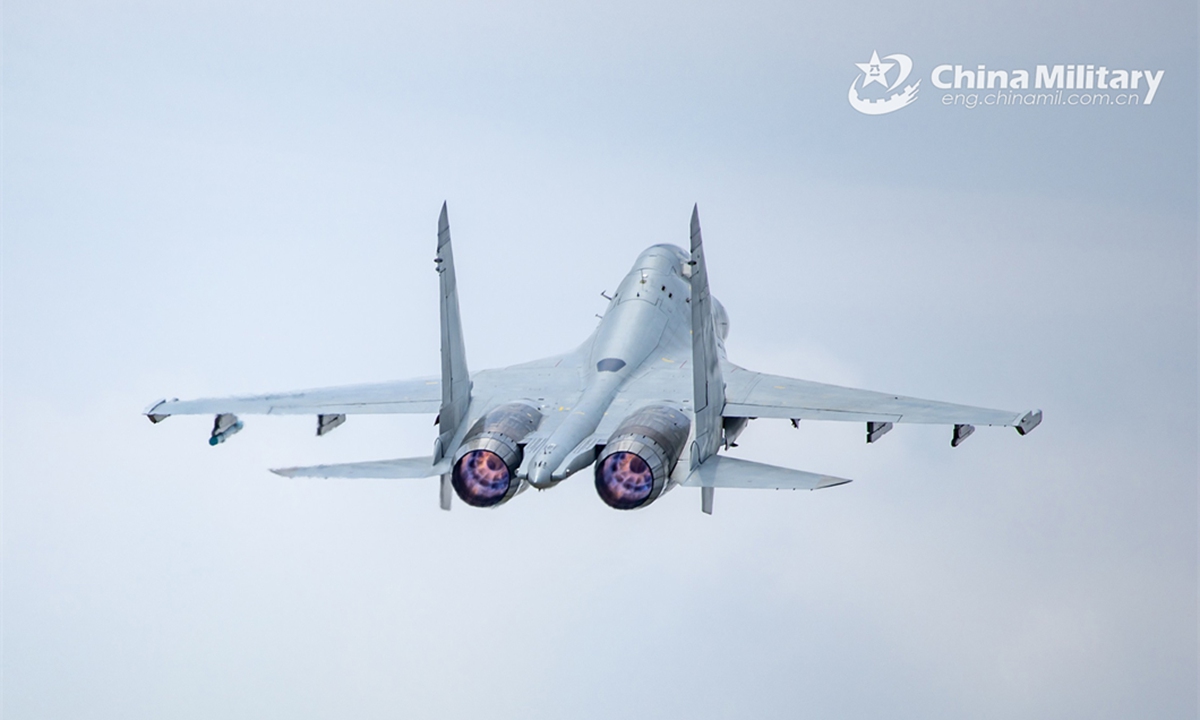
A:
[(707, 384), (709, 470), (456, 380)]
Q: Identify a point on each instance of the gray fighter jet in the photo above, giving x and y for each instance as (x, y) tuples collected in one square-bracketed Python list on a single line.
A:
[(648, 401)]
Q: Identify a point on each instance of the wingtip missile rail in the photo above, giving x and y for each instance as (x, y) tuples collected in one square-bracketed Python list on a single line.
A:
[(1031, 419)]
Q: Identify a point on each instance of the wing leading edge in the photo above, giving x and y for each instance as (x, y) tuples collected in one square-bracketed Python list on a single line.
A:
[(421, 395)]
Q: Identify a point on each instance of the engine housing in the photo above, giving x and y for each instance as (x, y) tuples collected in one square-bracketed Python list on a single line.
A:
[(639, 457), (484, 472)]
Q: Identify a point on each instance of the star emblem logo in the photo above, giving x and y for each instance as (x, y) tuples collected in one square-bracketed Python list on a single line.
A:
[(892, 96), (875, 70)]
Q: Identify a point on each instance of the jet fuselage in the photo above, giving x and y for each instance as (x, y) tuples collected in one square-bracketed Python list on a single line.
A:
[(647, 324)]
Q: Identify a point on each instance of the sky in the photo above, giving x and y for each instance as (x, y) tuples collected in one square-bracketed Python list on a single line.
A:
[(207, 198)]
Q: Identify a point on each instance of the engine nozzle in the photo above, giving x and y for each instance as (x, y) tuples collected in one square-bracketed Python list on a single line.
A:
[(484, 473), (637, 461), (481, 478), (624, 480)]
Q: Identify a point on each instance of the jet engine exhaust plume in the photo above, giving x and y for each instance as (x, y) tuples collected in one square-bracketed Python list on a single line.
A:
[(481, 478), (624, 480), (638, 459), (484, 473)]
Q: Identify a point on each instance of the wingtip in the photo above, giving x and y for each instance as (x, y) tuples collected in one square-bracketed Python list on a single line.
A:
[(156, 417), (284, 472), (829, 482), (443, 226), (1029, 421)]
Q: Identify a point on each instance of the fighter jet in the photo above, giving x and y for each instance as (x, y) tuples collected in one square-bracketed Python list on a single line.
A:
[(648, 401)]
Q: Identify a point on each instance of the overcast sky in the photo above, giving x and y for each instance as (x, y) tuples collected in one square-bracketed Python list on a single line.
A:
[(212, 199)]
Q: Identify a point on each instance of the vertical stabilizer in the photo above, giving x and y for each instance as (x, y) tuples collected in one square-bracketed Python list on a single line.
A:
[(456, 381), (708, 385)]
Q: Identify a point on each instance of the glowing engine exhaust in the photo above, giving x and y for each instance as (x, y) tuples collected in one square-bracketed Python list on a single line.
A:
[(632, 471), (485, 466)]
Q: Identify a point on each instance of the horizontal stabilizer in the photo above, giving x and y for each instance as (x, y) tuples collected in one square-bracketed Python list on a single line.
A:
[(728, 472), (418, 467)]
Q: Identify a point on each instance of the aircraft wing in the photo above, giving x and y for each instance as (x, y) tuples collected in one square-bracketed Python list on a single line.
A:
[(422, 395), (759, 395), (550, 381), (554, 379)]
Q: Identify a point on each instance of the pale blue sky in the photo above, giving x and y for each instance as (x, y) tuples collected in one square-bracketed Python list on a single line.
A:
[(210, 199)]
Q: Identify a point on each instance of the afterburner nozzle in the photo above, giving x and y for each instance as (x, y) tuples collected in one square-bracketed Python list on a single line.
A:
[(481, 478)]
